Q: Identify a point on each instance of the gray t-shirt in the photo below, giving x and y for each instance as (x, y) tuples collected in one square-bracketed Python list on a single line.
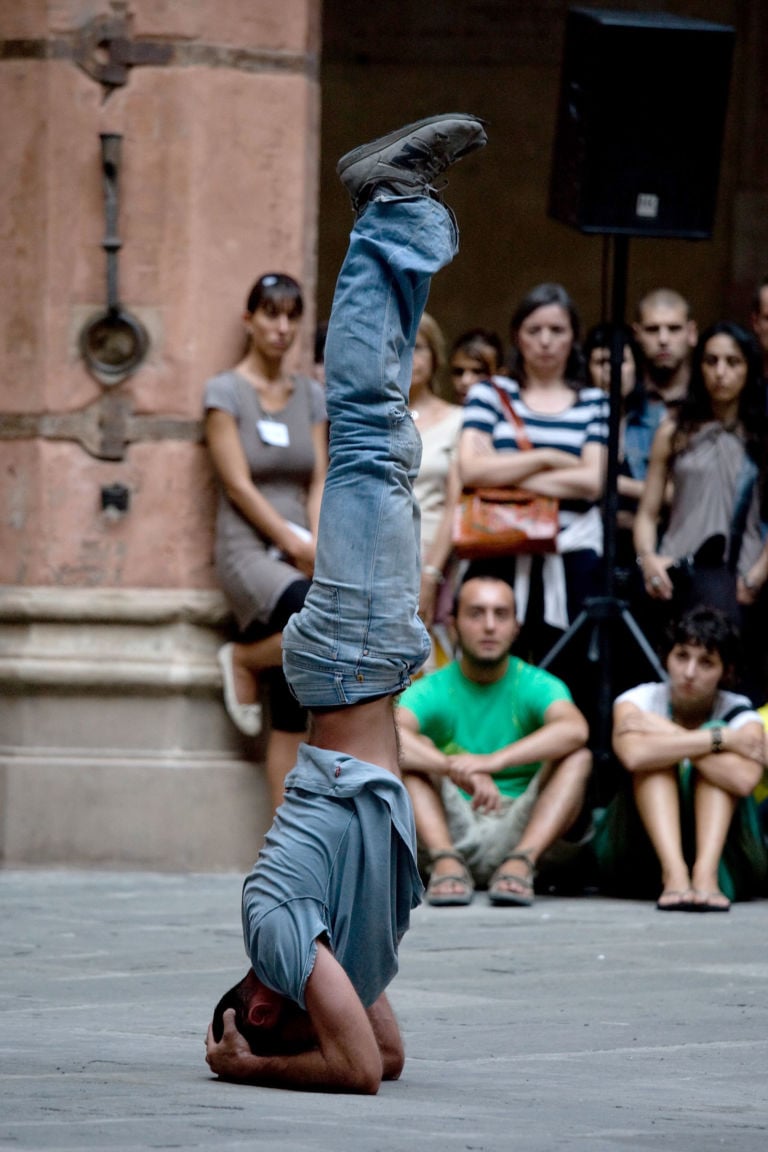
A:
[(281, 458), (339, 862)]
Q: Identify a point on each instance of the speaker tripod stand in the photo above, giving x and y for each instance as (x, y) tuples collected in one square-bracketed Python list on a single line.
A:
[(604, 615)]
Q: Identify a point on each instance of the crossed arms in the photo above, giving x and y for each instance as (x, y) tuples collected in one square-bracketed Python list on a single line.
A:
[(563, 731), (350, 1049), (645, 742), (547, 471)]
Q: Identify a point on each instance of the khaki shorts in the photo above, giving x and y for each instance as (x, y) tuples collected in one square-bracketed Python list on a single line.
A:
[(485, 839)]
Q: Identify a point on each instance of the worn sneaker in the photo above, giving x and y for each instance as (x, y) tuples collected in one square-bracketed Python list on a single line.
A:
[(407, 161)]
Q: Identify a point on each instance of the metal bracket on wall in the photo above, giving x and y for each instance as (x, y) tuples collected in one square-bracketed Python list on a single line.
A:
[(105, 50), (113, 343), (104, 429)]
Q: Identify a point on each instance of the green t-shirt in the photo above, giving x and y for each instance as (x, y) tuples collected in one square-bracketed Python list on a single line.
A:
[(459, 715)]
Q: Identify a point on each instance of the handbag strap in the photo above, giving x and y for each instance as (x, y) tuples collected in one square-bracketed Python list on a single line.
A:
[(520, 432)]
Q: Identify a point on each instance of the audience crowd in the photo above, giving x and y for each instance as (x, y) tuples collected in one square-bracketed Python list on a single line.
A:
[(496, 750)]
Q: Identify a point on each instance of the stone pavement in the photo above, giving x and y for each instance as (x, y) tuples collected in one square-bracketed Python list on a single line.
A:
[(580, 1023)]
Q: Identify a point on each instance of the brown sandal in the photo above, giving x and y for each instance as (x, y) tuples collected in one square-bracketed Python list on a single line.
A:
[(440, 899), (499, 895)]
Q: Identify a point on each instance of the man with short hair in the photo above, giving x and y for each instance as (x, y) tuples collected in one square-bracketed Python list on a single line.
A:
[(493, 755), (330, 896), (685, 823), (666, 334), (759, 318)]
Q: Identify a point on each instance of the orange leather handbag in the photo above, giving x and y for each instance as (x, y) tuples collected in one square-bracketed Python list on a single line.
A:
[(496, 522)]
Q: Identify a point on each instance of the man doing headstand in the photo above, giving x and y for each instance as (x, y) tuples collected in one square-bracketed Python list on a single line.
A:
[(330, 895)]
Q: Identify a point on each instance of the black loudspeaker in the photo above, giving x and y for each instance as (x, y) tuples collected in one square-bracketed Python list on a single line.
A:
[(639, 133)]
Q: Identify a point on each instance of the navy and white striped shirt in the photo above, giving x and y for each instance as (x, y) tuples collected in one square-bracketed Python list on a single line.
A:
[(584, 422)]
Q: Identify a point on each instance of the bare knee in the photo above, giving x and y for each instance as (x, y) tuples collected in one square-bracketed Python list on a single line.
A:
[(580, 763), (573, 770)]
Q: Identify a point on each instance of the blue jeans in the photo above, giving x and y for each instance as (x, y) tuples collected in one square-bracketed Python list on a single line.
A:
[(358, 635)]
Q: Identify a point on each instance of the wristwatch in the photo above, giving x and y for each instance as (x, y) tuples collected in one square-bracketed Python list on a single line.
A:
[(717, 739)]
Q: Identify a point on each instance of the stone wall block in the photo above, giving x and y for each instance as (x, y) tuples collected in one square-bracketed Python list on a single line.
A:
[(114, 745)]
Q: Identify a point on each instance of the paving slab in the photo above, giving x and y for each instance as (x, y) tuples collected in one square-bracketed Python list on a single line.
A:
[(580, 1023)]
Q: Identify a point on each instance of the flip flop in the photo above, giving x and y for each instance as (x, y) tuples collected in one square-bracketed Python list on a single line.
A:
[(715, 901), (245, 717), (681, 902)]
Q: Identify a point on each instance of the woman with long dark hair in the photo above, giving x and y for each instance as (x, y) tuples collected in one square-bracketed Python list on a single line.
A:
[(711, 551)]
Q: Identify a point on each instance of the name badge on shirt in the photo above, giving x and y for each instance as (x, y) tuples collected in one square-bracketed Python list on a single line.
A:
[(274, 433)]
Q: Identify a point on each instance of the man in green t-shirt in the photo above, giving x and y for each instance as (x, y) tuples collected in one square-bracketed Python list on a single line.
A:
[(494, 756)]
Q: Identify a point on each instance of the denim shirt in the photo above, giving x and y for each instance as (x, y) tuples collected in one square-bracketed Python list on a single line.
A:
[(338, 863), (639, 432)]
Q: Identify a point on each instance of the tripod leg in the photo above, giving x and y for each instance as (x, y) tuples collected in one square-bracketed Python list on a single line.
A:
[(643, 644), (565, 639)]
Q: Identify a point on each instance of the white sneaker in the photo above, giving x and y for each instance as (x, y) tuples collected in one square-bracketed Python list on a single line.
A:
[(245, 717)]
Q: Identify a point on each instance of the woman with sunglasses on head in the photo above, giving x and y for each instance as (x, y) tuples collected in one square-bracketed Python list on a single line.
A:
[(267, 436)]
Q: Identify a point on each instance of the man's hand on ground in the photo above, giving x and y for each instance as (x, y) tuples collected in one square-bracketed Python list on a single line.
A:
[(231, 1058)]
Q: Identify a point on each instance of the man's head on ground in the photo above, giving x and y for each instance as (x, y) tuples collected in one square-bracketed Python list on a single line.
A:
[(485, 622), (666, 334), (269, 1022), (700, 654)]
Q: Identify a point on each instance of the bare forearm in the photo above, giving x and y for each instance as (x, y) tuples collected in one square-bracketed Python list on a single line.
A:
[(644, 741), (654, 491), (728, 770), (644, 532), (313, 507), (552, 741), (258, 511), (304, 1071), (649, 751), (419, 754), (628, 486), (319, 473), (499, 469), (442, 542), (579, 483)]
